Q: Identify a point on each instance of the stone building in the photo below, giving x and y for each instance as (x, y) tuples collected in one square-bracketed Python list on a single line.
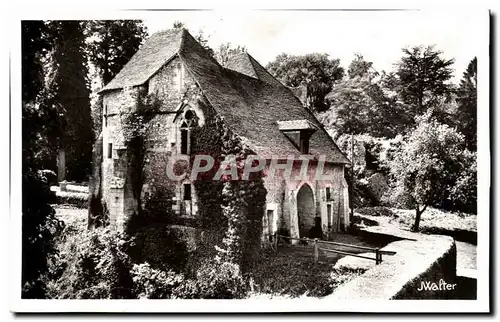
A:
[(193, 89)]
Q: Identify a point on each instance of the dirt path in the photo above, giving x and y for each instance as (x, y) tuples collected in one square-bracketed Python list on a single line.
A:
[(466, 259)]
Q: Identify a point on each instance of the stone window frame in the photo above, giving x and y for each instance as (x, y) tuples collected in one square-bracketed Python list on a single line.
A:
[(187, 123)]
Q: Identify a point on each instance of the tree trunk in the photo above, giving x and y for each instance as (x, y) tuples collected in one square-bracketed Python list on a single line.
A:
[(418, 214)]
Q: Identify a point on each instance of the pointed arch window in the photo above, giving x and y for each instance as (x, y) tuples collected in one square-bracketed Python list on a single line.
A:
[(189, 121)]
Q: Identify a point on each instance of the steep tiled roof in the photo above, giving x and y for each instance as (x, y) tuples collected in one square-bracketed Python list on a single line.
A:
[(153, 54), (244, 63), (250, 106)]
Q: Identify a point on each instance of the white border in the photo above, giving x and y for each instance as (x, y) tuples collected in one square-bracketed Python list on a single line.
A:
[(296, 305)]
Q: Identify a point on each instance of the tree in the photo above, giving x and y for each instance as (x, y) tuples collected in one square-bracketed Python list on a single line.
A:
[(467, 105), (112, 43), (226, 50), (358, 104), (360, 67), (317, 71), (423, 77), (67, 92), (428, 166), (39, 224)]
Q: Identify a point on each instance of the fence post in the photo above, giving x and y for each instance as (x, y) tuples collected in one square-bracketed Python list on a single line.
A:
[(275, 241), (378, 258), (316, 251)]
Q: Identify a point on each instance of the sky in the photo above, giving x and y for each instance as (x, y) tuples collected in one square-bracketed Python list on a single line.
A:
[(378, 35)]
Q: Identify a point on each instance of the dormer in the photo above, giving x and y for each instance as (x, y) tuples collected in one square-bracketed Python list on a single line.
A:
[(298, 132)]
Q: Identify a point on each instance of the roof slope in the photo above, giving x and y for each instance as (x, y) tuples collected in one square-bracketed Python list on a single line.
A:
[(153, 54), (244, 63), (251, 107)]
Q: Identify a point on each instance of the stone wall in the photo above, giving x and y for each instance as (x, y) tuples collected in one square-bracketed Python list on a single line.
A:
[(430, 259), (175, 89), (282, 199)]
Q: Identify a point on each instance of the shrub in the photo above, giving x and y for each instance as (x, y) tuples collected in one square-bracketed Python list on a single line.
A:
[(78, 199), (151, 283), (158, 245), (214, 280), (39, 229), (376, 211), (92, 265), (220, 281)]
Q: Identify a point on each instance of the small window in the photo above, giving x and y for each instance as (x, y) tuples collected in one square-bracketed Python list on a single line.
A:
[(184, 141), (329, 214), (328, 194), (187, 191), (110, 150)]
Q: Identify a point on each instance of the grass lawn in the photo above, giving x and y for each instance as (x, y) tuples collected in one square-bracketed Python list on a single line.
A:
[(436, 218), (292, 273), (75, 218), (432, 220)]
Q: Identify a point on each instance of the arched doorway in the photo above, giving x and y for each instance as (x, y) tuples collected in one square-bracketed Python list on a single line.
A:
[(306, 211)]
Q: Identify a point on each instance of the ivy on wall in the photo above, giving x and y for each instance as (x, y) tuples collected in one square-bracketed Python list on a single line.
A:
[(230, 211), (135, 126), (243, 204), (98, 215)]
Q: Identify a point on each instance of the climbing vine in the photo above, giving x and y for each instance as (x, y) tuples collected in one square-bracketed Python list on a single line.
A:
[(230, 210), (135, 122), (243, 204)]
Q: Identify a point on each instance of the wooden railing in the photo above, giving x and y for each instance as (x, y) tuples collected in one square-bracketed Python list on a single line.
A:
[(316, 248)]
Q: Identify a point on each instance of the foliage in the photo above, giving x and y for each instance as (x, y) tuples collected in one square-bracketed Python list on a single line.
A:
[(112, 43), (34, 45), (98, 215), (243, 204), (376, 211), (138, 109), (39, 224), (467, 105), (67, 92), (427, 167), (317, 71), (78, 199), (293, 274), (358, 104), (214, 280), (226, 50), (156, 243), (464, 193), (359, 67), (151, 283), (39, 227), (422, 78), (93, 264)]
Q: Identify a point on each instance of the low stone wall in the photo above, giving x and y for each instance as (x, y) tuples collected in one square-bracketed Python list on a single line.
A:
[(420, 269)]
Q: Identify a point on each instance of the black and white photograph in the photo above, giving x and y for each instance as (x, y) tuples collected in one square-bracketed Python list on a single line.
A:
[(270, 160)]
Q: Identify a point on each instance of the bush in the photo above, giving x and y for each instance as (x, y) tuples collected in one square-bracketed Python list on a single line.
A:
[(214, 281), (92, 265), (376, 211), (77, 199), (220, 281), (160, 246), (151, 283)]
